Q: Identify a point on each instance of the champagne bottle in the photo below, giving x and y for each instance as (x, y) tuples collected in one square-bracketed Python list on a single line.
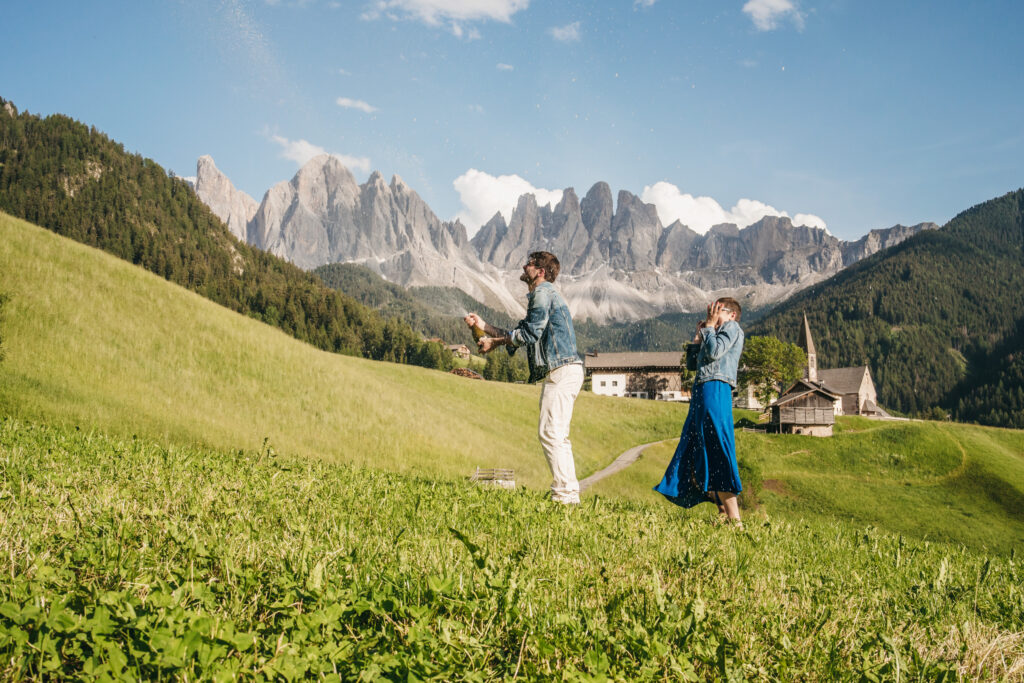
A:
[(478, 332)]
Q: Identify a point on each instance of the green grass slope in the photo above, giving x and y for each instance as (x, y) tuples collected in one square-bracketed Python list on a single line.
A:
[(939, 481), (94, 341), (124, 560)]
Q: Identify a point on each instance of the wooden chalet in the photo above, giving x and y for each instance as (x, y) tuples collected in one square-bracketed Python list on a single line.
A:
[(804, 408), (459, 350)]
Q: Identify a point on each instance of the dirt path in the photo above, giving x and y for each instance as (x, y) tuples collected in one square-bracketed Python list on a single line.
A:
[(620, 463)]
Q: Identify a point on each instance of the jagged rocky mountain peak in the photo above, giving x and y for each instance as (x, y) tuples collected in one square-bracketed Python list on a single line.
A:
[(618, 261), (228, 203), (569, 201)]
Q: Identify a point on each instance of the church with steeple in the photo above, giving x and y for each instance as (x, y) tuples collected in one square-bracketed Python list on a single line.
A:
[(853, 385), (810, 405)]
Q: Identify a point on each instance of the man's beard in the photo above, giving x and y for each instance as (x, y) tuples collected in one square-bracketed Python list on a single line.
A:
[(525, 278)]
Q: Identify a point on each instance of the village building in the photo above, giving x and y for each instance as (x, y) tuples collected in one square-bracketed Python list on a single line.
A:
[(746, 398), (804, 408), (459, 350), (810, 405), (854, 386), (650, 375)]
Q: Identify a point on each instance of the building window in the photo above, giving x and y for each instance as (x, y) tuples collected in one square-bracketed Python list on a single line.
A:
[(602, 383), (615, 382)]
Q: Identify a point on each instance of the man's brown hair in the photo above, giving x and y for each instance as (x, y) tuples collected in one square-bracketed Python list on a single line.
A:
[(732, 305), (547, 261)]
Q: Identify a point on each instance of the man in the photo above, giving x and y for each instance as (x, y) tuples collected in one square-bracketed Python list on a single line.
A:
[(550, 342)]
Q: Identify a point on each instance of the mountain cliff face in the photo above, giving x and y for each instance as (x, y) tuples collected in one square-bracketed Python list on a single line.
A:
[(232, 206), (618, 261), (323, 215)]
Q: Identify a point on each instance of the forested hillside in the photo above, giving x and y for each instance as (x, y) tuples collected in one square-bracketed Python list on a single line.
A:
[(937, 318), (72, 179), (432, 311)]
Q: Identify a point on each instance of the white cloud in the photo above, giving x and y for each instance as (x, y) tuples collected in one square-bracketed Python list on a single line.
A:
[(349, 103), (483, 195), (357, 163), (700, 213), (643, 3), (434, 12), (301, 151), (505, 67), (768, 15), (569, 33), (810, 220)]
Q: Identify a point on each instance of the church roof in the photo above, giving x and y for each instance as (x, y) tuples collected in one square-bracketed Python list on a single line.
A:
[(843, 380)]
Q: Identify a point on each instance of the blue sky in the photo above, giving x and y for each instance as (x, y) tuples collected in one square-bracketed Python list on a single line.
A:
[(849, 113)]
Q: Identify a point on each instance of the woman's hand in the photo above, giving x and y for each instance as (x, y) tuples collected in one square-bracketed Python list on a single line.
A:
[(714, 314)]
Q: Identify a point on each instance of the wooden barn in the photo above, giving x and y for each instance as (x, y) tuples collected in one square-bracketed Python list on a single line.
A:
[(804, 408)]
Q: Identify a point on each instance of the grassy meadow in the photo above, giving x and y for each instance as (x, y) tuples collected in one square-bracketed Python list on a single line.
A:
[(935, 481), (187, 493), (93, 341), (125, 559)]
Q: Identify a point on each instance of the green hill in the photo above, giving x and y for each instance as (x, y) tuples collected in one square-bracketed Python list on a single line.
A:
[(74, 180), (937, 318), (928, 480), (94, 341)]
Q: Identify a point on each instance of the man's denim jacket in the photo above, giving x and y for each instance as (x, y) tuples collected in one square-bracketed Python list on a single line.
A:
[(546, 332), (719, 356)]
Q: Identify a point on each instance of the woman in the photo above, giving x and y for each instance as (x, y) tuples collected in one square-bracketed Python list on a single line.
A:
[(704, 465)]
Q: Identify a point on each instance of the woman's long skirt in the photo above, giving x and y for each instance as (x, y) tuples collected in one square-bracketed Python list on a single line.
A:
[(705, 459)]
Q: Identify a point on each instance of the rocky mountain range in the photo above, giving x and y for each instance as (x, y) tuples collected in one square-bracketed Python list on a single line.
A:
[(618, 261)]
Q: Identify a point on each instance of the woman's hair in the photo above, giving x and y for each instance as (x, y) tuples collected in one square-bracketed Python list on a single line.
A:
[(732, 305), (547, 261)]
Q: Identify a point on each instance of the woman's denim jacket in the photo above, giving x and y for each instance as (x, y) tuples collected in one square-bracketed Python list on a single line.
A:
[(546, 331), (719, 356)]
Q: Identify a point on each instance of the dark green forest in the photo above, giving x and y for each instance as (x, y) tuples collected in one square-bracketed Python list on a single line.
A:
[(938, 319), (432, 311), (72, 179)]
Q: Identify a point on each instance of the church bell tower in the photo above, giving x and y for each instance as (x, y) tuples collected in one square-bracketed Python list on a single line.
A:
[(811, 371)]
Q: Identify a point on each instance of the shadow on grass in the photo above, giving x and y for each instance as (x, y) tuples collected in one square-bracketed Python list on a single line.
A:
[(747, 423), (988, 486)]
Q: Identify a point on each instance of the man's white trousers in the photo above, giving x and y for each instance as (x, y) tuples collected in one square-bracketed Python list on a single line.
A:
[(557, 395)]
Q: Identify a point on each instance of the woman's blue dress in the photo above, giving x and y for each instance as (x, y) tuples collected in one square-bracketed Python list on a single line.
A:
[(705, 459)]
